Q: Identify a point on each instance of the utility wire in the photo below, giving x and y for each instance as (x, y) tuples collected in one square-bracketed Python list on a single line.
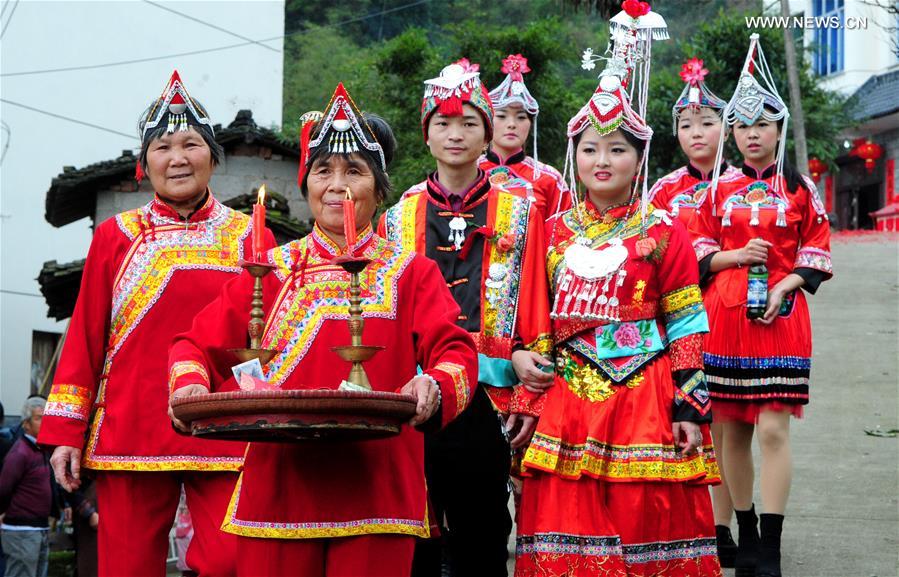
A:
[(9, 18), (61, 117), (9, 292), (125, 62), (8, 132), (217, 49), (210, 25)]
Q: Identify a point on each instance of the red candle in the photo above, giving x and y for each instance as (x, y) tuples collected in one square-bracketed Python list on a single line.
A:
[(349, 221), (259, 225)]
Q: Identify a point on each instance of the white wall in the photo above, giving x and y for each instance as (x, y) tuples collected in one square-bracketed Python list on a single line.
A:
[(235, 176), (44, 35), (868, 52)]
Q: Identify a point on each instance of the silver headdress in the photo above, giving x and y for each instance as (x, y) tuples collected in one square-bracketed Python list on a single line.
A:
[(623, 81), (748, 105)]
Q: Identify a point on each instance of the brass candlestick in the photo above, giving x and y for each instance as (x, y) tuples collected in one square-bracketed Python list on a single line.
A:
[(257, 322), (356, 352)]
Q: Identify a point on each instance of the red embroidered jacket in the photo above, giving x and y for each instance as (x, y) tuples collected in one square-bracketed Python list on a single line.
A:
[(500, 284), (681, 191), (334, 489), (148, 272), (548, 188), (658, 299), (748, 207)]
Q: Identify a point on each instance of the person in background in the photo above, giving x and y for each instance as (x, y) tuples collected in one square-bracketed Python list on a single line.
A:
[(85, 522), (698, 126), (7, 435), (26, 499), (5, 445), (184, 532), (514, 117)]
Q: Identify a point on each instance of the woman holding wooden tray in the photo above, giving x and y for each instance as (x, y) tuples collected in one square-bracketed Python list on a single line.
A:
[(338, 507)]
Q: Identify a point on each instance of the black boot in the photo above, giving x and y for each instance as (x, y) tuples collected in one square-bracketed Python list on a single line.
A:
[(769, 551), (727, 549), (748, 543)]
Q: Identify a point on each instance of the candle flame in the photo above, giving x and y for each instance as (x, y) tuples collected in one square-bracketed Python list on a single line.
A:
[(349, 193), (260, 199)]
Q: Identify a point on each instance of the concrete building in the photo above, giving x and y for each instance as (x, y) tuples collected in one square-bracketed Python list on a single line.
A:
[(854, 50), (75, 78)]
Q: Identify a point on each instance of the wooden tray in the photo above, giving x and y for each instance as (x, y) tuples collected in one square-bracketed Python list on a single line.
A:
[(295, 415)]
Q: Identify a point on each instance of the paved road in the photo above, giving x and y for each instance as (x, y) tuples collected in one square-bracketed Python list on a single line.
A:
[(843, 515)]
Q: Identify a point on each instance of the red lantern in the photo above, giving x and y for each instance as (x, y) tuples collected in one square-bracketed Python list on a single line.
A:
[(869, 152), (816, 166)]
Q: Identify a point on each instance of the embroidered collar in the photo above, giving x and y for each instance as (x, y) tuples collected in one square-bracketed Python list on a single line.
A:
[(471, 195), (757, 174), (329, 249), (202, 211), (699, 175), (495, 158), (619, 210)]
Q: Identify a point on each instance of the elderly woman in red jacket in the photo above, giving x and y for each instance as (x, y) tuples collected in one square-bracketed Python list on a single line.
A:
[(340, 508)]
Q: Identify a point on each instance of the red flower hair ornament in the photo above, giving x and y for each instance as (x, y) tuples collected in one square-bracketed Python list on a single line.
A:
[(692, 71), (635, 8), (515, 65)]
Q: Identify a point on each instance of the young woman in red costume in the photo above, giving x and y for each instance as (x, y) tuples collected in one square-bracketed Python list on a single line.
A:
[(514, 117), (758, 370), (698, 126), (617, 471), (337, 508)]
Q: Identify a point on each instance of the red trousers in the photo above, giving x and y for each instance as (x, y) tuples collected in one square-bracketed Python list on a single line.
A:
[(364, 556), (137, 511)]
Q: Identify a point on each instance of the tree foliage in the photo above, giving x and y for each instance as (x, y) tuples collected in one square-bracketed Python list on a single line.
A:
[(383, 53)]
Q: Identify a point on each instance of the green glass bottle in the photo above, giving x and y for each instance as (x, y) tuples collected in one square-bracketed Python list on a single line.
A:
[(757, 291)]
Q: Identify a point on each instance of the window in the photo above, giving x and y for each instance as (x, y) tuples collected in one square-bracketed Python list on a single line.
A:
[(799, 33), (44, 352), (829, 20)]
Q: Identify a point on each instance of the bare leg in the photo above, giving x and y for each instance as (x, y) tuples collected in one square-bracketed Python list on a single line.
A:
[(740, 478), (777, 460), (721, 503), (738, 464), (722, 506)]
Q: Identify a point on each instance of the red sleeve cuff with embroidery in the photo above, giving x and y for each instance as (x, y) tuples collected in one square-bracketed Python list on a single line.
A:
[(524, 402), (456, 389), (184, 373)]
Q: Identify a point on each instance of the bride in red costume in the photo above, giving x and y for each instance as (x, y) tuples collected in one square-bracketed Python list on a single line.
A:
[(337, 508), (617, 473)]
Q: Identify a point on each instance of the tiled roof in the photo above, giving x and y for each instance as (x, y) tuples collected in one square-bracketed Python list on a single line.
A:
[(73, 193), (877, 97), (245, 130), (60, 284)]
